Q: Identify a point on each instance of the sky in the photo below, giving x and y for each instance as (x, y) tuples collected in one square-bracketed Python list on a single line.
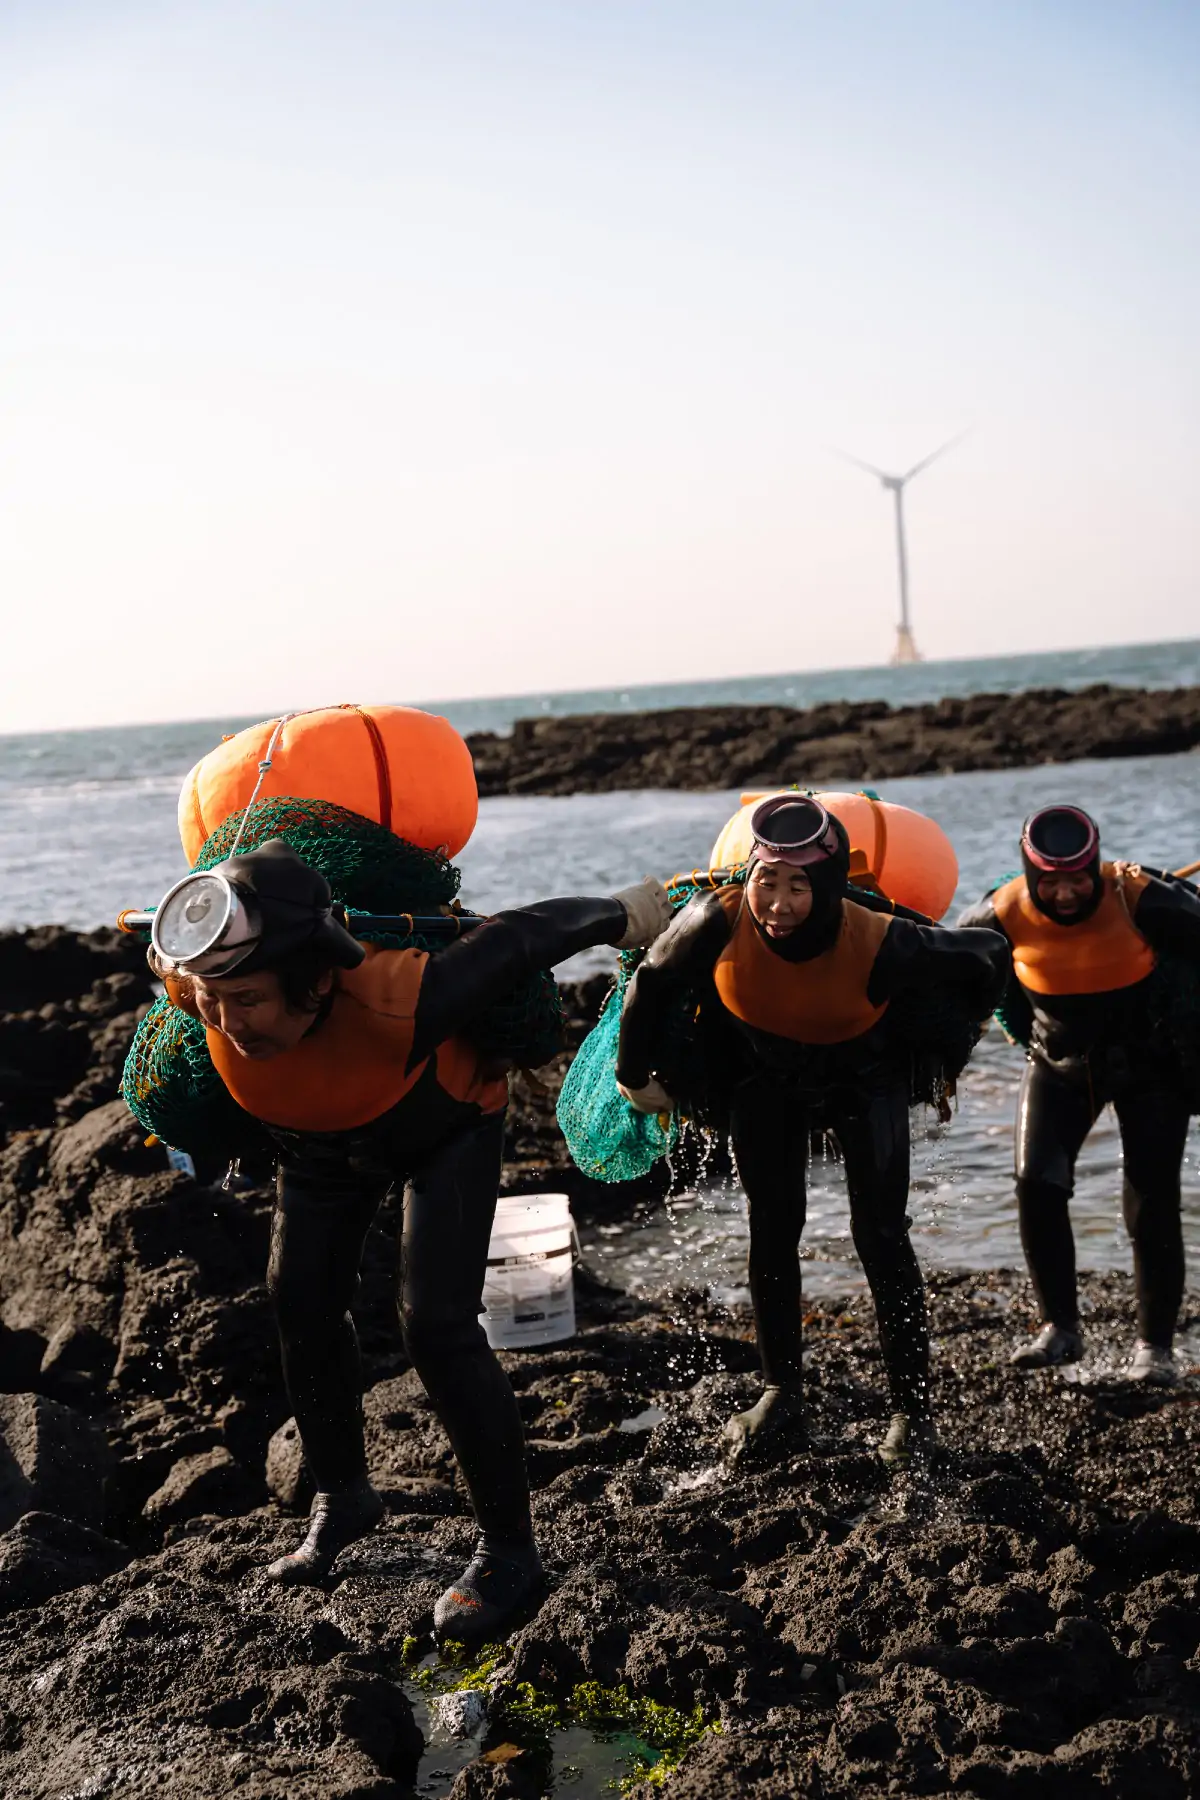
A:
[(373, 349)]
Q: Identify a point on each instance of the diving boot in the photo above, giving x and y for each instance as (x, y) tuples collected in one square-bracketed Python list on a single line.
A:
[(1153, 1365), (1053, 1346), (776, 1407), (500, 1587), (336, 1519), (909, 1443)]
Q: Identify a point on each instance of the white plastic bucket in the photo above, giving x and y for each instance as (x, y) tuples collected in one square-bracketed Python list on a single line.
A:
[(529, 1288)]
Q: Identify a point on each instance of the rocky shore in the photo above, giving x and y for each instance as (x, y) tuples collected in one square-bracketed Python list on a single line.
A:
[(866, 741), (1026, 1621)]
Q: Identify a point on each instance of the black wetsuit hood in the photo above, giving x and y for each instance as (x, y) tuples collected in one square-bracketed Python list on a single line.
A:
[(294, 906), (829, 879), (1056, 836)]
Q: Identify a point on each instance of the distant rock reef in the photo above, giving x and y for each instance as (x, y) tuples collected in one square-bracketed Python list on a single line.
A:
[(739, 746)]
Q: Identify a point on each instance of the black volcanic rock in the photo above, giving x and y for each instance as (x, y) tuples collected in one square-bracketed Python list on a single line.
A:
[(1025, 1621), (706, 747)]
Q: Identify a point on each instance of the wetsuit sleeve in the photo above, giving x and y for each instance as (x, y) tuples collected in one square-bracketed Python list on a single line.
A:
[(685, 952), (507, 949), (911, 956), (1168, 916), (981, 916)]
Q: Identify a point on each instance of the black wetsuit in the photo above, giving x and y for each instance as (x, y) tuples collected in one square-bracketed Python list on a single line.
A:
[(1085, 1052), (444, 1156), (783, 1091)]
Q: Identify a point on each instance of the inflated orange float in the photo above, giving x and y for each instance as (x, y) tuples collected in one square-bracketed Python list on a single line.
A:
[(907, 856), (406, 769)]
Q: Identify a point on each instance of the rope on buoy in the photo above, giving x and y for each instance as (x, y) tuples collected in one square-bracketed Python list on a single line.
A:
[(264, 769)]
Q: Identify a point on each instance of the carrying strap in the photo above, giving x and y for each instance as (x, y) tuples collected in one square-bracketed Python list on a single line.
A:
[(378, 750)]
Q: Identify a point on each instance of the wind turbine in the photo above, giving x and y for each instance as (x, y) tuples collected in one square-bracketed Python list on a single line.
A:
[(906, 648)]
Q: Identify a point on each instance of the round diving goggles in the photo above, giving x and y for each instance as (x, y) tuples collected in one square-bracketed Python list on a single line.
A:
[(204, 926), (1060, 840), (795, 831)]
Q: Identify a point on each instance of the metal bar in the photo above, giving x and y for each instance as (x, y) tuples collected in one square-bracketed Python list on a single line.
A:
[(406, 924), (359, 923)]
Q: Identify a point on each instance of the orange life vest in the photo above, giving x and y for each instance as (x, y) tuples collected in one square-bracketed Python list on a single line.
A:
[(354, 1067), (1097, 956), (823, 1001)]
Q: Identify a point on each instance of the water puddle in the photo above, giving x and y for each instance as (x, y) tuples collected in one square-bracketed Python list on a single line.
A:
[(585, 1749)]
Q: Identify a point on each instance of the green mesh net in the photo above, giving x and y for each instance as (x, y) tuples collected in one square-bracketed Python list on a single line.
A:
[(171, 1087), (608, 1139), (368, 867), (170, 1084)]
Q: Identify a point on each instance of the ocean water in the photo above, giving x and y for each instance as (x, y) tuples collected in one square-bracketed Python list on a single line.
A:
[(87, 826)]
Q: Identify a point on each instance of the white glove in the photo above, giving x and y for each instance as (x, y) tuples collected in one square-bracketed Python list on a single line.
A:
[(653, 1098), (648, 912)]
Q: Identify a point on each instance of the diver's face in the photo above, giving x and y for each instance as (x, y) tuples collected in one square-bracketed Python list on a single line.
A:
[(252, 1012), (780, 898), (1065, 894)]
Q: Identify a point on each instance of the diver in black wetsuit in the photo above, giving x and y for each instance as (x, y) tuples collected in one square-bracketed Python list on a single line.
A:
[(804, 972), (1086, 939), (359, 1063)]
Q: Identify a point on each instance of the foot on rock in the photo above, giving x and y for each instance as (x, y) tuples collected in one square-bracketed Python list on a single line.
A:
[(778, 1406), (1154, 1365), (335, 1520), (1053, 1346), (909, 1443), (500, 1587)]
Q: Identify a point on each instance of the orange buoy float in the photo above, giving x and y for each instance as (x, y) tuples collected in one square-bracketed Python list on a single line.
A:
[(901, 852), (403, 768)]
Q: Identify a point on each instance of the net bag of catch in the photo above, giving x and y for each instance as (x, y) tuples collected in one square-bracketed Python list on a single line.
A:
[(607, 1138), (170, 1086)]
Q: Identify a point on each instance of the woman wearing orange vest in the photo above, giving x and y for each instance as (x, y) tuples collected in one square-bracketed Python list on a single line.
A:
[(804, 973), (358, 1062), (1085, 938)]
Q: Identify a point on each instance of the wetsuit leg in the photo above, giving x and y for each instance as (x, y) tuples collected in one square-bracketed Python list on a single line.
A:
[(770, 1144), (874, 1136), (317, 1237), (1154, 1125), (448, 1209), (1054, 1116)]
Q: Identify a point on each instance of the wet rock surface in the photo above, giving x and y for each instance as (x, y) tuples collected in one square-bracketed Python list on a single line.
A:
[(859, 741), (1026, 1619)]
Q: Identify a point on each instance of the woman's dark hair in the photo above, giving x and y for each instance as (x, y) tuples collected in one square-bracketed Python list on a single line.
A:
[(299, 975)]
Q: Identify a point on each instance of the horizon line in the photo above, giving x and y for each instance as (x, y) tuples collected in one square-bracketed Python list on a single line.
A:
[(445, 700)]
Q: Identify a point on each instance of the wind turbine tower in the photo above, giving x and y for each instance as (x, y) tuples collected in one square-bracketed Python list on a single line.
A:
[(906, 645)]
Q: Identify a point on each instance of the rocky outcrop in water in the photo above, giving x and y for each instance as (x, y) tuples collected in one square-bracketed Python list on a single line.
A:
[(844, 741), (1027, 1621)]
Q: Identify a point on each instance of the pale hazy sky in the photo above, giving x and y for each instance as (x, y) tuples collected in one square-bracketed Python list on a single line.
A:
[(366, 349)]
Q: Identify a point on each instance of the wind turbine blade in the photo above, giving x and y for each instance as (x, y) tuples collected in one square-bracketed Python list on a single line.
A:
[(858, 462), (933, 456)]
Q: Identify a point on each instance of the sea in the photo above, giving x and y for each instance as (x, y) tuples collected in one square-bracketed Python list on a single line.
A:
[(87, 826)]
